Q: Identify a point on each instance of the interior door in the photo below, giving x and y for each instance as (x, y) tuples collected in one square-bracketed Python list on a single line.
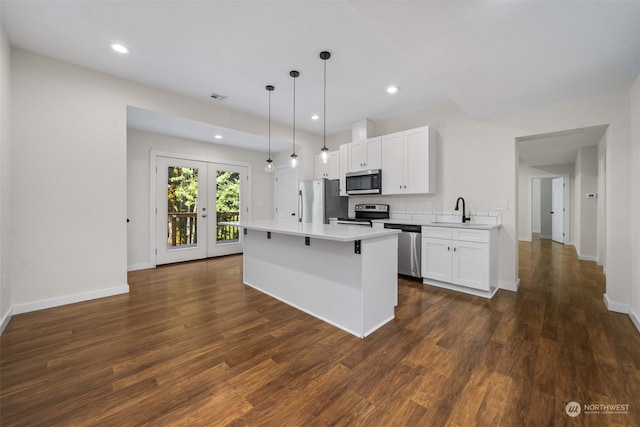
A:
[(227, 193), (557, 209), (181, 210), (286, 194)]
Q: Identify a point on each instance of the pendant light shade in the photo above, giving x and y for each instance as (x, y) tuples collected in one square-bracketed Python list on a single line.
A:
[(269, 166), (324, 55), (294, 156)]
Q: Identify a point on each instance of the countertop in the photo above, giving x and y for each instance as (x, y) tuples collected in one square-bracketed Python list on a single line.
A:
[(338, 233), (442, 224)]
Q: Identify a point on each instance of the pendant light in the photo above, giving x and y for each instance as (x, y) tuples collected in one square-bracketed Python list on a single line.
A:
[(324, 55), (269, 167), (294, 156)]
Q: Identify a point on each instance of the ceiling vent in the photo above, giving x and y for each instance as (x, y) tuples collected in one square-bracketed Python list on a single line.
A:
[(217, 96)]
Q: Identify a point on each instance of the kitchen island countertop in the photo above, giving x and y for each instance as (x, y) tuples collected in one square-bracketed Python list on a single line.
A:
[(336, 233)]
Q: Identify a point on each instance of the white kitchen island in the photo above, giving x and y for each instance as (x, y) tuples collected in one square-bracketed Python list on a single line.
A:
[(344, 275)]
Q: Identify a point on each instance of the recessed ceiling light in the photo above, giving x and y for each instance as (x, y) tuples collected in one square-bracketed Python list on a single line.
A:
[(315, 117), (392, 89), (119, 48), (218, 136)]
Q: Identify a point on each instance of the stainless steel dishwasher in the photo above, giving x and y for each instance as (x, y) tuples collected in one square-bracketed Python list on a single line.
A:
[(409, 249)]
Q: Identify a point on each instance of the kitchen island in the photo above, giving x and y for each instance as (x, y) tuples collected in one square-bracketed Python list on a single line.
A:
[(345, 276)]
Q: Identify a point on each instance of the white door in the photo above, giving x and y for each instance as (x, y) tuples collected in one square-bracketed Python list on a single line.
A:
[(557, 209), (286, 194), (227, 195), (181, 210)]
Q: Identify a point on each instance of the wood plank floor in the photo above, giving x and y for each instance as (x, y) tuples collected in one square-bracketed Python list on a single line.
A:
[(191, 345)]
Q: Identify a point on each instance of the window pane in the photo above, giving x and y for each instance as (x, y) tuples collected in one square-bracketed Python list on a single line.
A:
[(182, 207), (227, 205)]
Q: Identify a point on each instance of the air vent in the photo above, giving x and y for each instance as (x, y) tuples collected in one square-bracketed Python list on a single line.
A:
[(217, 96)]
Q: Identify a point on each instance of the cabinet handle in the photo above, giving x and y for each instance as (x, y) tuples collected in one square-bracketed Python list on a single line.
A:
[(448, 248), (454, 249)]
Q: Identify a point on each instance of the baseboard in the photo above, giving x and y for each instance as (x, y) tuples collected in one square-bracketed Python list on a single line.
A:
[(615, 306), (144, 266), (513, 287), (69, 299), (6, 319), (586, 257), (634, 318)]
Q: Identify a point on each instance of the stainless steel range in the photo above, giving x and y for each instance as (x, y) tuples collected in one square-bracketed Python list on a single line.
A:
[(365, 213)]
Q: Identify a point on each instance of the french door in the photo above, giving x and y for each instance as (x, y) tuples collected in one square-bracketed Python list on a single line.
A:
[(192, 198)]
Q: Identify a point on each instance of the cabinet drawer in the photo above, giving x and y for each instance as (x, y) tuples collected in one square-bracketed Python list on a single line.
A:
[(437, 232), (470, 235)]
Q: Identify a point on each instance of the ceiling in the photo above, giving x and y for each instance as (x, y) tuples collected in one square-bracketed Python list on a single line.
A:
[(558, 148), (488, 57)]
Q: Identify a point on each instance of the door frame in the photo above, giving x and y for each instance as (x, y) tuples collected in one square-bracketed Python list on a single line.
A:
[(153, 199), (567, 204)]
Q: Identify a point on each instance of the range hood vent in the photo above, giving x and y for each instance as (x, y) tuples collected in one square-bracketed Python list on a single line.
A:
[(362, 130)]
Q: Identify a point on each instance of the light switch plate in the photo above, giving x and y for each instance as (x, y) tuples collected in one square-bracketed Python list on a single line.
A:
[(499, 205)]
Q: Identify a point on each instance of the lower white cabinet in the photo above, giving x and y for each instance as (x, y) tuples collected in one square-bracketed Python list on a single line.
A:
[(463, 257)]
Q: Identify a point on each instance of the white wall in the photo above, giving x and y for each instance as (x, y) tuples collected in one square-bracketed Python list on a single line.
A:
[(139, 146), (5, 142), (69, 142), (635, 198), (586, 177), (535, 206)]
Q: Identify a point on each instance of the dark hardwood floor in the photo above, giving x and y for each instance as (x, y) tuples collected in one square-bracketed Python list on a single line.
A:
[(191, 345)]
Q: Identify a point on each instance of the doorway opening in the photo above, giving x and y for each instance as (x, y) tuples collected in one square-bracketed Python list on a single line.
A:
[(569, 164)]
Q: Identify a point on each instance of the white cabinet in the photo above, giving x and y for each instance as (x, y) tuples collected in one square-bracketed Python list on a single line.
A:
[(464, 257), (365, 154), (329, 170), (409, 162), (344, 168)]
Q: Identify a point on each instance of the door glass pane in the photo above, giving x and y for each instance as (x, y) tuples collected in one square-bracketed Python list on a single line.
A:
[(182, 207), (227, 206)]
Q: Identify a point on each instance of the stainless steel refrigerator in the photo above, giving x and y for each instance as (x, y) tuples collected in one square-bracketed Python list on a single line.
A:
[(319, 200)]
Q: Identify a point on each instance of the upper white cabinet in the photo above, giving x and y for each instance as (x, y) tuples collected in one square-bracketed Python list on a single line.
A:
[(365, 154), (329, 170), (409, 162), (344, 168)]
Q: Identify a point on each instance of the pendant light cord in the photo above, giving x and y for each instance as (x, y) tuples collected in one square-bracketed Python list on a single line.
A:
[(269, 125), (294, 114), (324, 112)]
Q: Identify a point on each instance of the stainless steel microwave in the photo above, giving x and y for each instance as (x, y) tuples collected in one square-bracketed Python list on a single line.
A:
[(364, 182)]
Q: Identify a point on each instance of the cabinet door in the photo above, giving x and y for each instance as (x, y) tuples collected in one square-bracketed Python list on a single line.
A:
[(356, 156), (471, 265), (344, 168), (373, 149), (332, 168), (417, 162), (393, 164), (436, 259)]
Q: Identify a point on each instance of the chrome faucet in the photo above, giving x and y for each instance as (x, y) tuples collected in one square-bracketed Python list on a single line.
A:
[(465, 218)]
